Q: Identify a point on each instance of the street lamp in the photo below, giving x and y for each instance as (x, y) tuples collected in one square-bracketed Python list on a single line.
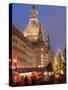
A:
[(62, 72), (15, 63)]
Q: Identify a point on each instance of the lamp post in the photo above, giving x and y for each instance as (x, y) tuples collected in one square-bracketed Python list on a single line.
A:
[(15, 63), (15, 72)]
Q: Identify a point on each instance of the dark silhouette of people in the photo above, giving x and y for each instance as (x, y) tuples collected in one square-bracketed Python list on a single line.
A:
[(26, 81)]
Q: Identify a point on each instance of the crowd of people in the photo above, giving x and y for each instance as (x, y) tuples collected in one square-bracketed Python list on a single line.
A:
[(32, 80), (29, 80), (37, 79)]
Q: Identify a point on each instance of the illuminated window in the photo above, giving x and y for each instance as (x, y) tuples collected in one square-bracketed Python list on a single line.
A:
[(42, 59), (42, 65), (42, 49), (42, 56)]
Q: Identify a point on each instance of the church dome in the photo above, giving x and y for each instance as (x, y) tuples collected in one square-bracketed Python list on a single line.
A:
[(31, 31)]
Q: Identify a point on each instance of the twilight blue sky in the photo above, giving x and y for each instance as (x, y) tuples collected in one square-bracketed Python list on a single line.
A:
[(52, 18)]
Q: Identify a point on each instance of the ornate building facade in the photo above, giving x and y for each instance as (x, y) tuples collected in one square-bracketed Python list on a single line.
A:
[(21, 50), (30, 47), (41, 46)]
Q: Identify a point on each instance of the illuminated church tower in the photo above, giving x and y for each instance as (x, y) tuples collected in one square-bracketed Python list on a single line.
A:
[(32, 29), (34, 34)]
